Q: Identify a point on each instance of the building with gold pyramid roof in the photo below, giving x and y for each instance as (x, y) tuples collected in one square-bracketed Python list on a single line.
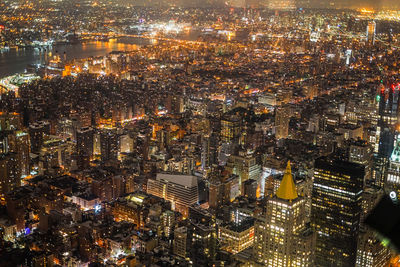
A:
[(284, 239), (287, 189)]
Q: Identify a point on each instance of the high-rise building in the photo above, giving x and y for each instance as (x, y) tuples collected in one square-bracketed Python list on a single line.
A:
[(371, 251), (286, 239), (392, 181), (180, 238), (230, 128), (282, 117), (22, 149), (388, 104), (361, 152), (109, 144), (244, 165), (10, 121), (336, 210), (223, 190), (37, 132), (250, 189), (181, 190), (84, 145), (371, 30), (84, 141), (236, 236), (10, 173)]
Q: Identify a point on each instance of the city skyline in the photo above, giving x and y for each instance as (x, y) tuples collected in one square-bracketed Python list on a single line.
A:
[(190, 133)]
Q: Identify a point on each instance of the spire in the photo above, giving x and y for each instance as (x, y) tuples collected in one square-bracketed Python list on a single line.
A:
[(287, 189)]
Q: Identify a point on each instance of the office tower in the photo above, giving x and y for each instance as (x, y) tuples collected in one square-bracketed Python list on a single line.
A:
[(361, 152), (371, 252), (84, 145), (4, 147), (16, 142), (230, 128), (10, 173), (126, 143), (392, 181), (37, 132), (286, 240), (371, 30), (175, 104), (244, 165), (250, 189), (205, 151), (109, 144), (282, 117), (84, 141), (168, 222), (10, 121), (180, 190), (180, 238), (336, 210), (236, 236), (223, 190), (388, 105), (22, 149)]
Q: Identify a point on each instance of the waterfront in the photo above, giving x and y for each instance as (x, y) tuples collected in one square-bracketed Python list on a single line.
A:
[(16, 60)]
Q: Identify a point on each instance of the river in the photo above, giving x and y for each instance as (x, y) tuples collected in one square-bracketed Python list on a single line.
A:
[(16, 60)]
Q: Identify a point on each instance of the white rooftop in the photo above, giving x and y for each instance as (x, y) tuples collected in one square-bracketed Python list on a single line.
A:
[(185, 180)]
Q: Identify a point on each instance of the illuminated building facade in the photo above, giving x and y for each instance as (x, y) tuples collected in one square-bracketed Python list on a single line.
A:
[(133, 208), (84, 145), (388, 104), (236, 237), (361, 152), (230, 129), (10, 174), (181, 190), (168, 220), (336, 210), (286, 240), (109, 144), (392, 183), (371, 31), (37, 132), (245, 166), (223, 190), (282, 117), (180, 239), (371, 252)]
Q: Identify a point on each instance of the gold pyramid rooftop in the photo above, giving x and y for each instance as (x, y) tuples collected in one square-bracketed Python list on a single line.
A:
[(287, 189)]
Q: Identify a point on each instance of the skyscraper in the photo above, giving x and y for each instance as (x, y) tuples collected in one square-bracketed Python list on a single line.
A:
[(286, 239), (282, 117), (180, 238), (392, 181), (109, 144), (181, 190), (10, 173), (336, 210), (230, 128), (371, 30), (84, 145)]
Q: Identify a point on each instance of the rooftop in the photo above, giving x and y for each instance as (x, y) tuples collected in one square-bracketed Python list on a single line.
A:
[(185, 180)]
